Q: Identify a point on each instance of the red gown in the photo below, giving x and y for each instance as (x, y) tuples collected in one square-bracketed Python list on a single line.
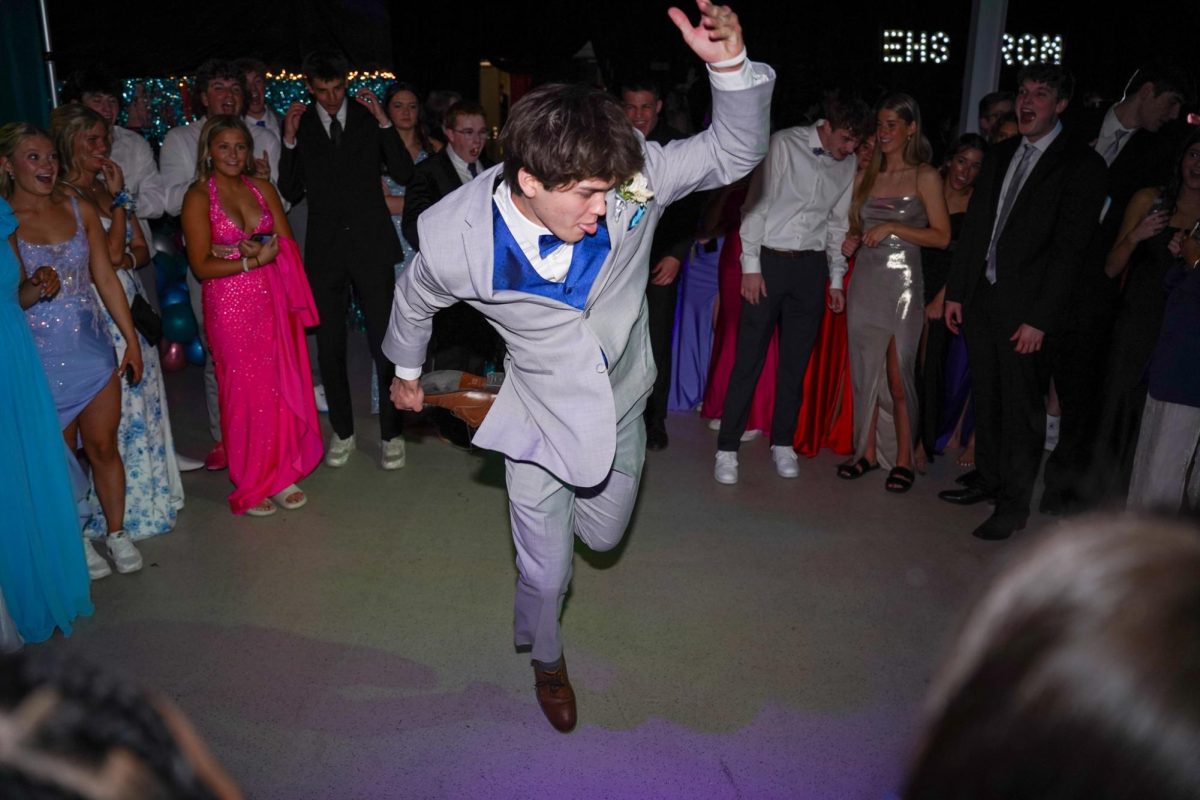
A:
[(729, 314), (827, 406)]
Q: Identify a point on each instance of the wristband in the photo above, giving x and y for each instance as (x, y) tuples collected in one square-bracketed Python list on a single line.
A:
[(245, 264)]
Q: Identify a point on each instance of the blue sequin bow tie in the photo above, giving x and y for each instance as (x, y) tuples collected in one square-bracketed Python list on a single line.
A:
[(548, 243), (818, 151)]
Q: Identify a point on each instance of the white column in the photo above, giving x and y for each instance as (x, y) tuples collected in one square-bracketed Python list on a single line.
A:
[(984, 58)]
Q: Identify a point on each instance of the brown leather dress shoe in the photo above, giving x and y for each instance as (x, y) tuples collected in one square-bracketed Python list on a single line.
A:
[(466, 396), (555, 696)]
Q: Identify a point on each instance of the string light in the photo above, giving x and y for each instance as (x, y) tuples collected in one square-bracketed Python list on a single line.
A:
[(922, 47), (169, 100), (915, 47)]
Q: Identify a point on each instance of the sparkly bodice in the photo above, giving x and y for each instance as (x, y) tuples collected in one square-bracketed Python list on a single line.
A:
[(75, 300), (224, 232), (905, 210)]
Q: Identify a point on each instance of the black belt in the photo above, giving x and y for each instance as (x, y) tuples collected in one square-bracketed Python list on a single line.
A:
[(793, 253)]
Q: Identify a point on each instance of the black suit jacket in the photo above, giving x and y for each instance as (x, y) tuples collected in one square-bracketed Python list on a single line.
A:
[(348, 220), (1045, 239), (433, 179)]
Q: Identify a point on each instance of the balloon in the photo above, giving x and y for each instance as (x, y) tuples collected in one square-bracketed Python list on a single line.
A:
[(173, 356), (164, 242), (195, 352), (170, 268), (179, 325), (173, 293)]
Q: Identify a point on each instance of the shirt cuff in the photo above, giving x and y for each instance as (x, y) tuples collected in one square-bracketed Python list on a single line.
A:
[(751, 265), (743, 78), (385, 127), (291, 146), (408, 373)]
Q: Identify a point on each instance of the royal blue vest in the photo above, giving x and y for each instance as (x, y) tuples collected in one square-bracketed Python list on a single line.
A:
[(511, 269)]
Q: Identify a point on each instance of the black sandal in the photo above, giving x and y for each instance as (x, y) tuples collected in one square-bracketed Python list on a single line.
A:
[(849, 472), (899, 480)]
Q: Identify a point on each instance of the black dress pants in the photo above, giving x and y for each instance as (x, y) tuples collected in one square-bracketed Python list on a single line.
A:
[(795, 302), (374, 284), (1010, 417)]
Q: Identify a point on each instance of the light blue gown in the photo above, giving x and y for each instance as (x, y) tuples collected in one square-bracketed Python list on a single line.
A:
[(43, 573)]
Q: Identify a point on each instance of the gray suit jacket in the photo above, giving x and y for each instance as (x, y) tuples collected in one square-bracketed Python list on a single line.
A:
[(561, 405)]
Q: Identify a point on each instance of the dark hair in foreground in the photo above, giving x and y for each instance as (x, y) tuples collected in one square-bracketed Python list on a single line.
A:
[(216, 68), (1175, 182), (74, 723), (90, 80), (1056, 76), (324, 65), (848, 113), (968, 141), (1164, 77), (992, 98), (1075, 675), (563, 134)]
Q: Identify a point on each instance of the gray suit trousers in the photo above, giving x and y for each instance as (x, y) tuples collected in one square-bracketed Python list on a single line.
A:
[(546, 515)]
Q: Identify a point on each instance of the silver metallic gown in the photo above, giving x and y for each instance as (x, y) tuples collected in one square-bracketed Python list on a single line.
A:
[(885, 300)]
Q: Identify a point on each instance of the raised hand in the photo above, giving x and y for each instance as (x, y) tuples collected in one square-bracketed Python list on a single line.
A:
[(262, 167), (114, 178), (368, 99), (291, 122), (718, 36)]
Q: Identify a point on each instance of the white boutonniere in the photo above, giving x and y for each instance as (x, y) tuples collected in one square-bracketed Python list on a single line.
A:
[(635, 190)]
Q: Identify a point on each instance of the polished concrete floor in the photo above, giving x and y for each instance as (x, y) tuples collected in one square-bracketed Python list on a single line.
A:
[(771, 639)]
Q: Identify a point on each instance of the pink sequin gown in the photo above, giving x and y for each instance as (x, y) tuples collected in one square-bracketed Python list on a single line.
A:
[(255, 323)]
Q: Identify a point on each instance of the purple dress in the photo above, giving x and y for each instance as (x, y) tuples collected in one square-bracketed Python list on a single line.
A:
[(70, 331)]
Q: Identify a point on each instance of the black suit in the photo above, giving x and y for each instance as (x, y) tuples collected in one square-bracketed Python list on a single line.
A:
[(1078, 356), (1048, 229), (462, 337), (350, 240), (674, 236)]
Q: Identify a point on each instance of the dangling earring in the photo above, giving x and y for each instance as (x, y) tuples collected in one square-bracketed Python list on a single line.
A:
[(208, 163)]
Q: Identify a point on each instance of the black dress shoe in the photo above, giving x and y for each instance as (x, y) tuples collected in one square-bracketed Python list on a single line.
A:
[(967, 496), (996, 528), (656, 439)]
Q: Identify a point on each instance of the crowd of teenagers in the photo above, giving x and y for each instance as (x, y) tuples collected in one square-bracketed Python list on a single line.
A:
[(1031, 288)]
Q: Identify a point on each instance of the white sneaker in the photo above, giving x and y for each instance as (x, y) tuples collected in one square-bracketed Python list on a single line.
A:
[(750, 436), (1052, 425), (339, 451), (97, 567), (393, 453), (786, 463), (714, 424), (726, 469), (124, 555), (186, 464), (319, 396)]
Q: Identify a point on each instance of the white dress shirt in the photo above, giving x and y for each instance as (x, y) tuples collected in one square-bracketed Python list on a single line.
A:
[(1108, 134), (136, 160), (461, 167), (798, 200), (1039, 148), (270, 121)]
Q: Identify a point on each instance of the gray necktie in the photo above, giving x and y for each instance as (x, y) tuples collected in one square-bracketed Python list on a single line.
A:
[(1114, 149), (1014, 188)]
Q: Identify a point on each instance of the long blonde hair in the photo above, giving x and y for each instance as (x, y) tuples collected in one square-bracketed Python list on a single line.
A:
[(213, 126), (11, 136), (66, 123), (916, 151)]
